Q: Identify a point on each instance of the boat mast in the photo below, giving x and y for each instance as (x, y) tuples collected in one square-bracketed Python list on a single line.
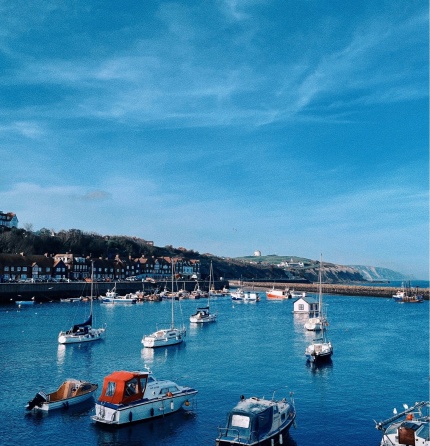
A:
[(320, 289), (173, 297), (91, 287)]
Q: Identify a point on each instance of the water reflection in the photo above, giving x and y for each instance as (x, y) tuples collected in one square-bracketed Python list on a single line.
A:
[(161, 355), (162, 430), (321, 369)]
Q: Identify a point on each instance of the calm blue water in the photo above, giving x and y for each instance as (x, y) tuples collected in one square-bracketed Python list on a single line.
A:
[(381, 360)]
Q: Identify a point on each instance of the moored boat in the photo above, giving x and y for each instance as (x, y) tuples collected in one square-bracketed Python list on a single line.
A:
[(203, 314), (246, 296), (83, 332), (166, 336), (71, 392), (278, 294), (257, 421), (410, 427), (129, 397)]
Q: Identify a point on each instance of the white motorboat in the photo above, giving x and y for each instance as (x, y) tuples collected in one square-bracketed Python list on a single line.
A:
[(83, 332), (129, 397), (203, 314), (257, 421), (410, 427), (166, 336), (246, 296), (71, 392), (297, 294), (129, 298)]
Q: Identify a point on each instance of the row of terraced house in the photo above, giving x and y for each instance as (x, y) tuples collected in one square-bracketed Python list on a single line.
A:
[(15, 267)]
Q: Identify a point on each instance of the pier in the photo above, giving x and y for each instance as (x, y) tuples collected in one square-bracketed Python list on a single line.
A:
[(330, 288)]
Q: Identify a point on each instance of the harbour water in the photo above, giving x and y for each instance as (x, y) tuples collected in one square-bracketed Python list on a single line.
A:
[(380, 361)]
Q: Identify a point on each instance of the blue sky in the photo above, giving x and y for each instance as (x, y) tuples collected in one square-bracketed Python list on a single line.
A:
[(292, 127)]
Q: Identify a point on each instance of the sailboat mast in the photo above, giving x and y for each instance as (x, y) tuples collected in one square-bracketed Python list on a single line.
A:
[(173, 297), (320, 288), (91, 287)]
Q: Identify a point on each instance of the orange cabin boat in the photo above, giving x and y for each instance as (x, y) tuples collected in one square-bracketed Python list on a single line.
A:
[(123, 387)]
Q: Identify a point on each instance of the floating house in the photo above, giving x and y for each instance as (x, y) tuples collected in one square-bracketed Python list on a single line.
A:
[(306, 305)]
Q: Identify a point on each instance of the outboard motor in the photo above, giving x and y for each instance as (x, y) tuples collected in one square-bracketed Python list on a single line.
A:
[(38, 400)]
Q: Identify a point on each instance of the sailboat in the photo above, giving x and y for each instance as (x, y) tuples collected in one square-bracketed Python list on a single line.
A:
[(203, 314), (316, 322), (321, 348), (166, 336), (83, 332)]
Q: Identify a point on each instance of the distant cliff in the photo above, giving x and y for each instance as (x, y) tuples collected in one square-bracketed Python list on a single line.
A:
[(376, 273)]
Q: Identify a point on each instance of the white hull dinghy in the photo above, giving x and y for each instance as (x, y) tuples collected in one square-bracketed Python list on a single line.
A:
[(410, 427), (257, 421), (129, 397), (71, 392)]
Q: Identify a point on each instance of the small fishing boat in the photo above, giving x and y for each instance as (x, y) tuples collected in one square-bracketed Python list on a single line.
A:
[(241, 295), (129, 397), (71, 392), (258, 421), (278, 294), (410, 427), (129, 298), (405, 295)]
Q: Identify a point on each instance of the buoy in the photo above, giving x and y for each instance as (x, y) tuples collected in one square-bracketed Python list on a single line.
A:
[(410, 416), (151, 412), (187, 403), (172, 405), (281, 440), (130, 417)]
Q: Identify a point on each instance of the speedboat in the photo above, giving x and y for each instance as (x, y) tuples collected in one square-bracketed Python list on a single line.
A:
[(410, 427), (257, 421), (71, 392), (128, 397)]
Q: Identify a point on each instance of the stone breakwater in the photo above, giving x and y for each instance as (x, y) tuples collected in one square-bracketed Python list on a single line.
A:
[(347, 290)]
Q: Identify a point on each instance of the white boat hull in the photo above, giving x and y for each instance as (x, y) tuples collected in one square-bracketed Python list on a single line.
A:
[(141, 410), (163, 338), (95, 334), (203, 320), (46, 407)]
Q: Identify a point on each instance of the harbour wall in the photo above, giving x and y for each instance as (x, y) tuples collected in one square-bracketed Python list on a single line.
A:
[(347, 290)]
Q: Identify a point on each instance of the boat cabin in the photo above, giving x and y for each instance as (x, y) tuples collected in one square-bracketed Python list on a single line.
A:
[(123, 387), (306, 305), (250, 420)]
